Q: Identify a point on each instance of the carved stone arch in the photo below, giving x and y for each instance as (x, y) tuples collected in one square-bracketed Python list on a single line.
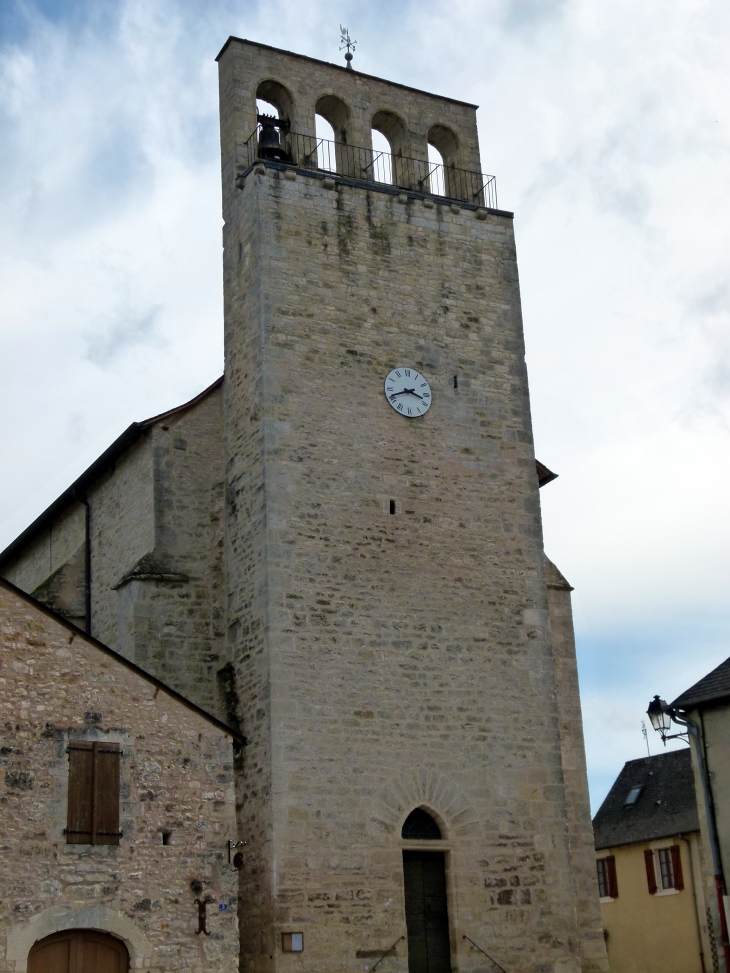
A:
[(394, 128), (338, 114), (435, 792), (447, 142), (277, 95), (22, 937)]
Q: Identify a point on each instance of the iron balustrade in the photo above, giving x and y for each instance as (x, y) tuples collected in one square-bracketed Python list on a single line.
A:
[(370, 165)]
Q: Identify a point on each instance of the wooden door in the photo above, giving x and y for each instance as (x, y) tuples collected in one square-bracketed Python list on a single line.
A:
[(78, 951), (427, 919)]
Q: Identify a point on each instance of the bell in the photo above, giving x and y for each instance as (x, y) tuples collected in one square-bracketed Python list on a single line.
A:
[(269, 141)]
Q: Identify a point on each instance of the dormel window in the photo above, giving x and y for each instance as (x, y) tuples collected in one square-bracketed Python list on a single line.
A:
[(93, 793), (633, 796)]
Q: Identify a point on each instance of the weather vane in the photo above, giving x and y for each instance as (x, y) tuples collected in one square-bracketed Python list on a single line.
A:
[(346, 43)]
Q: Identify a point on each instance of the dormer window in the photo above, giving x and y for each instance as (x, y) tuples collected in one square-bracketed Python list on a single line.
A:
[(633, 796)]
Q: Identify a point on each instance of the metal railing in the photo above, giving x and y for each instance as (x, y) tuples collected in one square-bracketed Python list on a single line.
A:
[(485, 953), (369, 165)]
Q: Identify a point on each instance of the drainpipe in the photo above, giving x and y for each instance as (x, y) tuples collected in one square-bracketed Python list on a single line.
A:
[(694, 899), (87, 568)]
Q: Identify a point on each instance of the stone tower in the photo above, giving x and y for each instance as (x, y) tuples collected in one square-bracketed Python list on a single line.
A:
[(388, 610)]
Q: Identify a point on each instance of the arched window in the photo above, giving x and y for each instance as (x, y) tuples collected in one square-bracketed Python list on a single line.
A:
[(436, 171), (389, 137), (273, 99), (381, 168), (443, 146), (326, 158), (419, 825)]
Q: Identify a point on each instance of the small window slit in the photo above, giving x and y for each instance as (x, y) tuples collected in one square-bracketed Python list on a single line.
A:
[(392, 506), (456, 381)]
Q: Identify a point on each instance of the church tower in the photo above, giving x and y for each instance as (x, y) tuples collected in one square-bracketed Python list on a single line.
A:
[(405, 795)]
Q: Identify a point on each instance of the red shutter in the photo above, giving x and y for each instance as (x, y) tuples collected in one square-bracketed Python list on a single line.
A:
[(677, 868), (80, 816), (612, 883), (106, 793), (650, 873)]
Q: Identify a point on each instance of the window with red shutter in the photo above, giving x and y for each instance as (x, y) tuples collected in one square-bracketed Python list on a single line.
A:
[(650, 872), (677, 868), (612, 882), (93, 793)]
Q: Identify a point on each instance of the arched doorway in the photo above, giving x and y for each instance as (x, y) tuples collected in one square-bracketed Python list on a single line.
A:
[(78, 951), (424, 880)]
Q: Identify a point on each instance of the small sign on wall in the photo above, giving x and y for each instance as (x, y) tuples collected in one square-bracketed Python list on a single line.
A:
[(292, 942)]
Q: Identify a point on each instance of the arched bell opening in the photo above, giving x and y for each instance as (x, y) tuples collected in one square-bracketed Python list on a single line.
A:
[(444, 159), (389, 137), (332, 124), (274, 110)]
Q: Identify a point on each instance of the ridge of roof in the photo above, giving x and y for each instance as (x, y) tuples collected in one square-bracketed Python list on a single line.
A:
[(79, 632), (101, 464), (710, 689), (339, 67), (666, 804)]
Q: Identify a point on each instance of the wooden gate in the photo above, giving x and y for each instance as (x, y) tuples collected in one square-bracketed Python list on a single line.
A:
[(78, 951), (427, 919)]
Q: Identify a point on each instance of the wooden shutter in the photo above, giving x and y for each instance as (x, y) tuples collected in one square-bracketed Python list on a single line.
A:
[(106, 794), (93, 793), (677, 868), (80, 817), (612, 883), (650, 873)]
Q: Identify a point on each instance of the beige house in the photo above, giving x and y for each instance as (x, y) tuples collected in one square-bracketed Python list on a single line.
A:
[(648, 866), (116, 807), (707, 706)]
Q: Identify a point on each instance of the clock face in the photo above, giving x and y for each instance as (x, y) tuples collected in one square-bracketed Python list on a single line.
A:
[(408, 392)]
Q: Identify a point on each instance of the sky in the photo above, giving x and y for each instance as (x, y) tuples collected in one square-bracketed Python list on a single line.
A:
[(607, 126)]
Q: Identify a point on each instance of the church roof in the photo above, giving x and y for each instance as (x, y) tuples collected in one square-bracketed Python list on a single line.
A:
[(100, 465), (79, 633), (712, 688), (653, 797)]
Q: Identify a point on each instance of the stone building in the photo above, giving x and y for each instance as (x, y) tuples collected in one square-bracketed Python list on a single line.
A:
[(136, 876), (351, 571)]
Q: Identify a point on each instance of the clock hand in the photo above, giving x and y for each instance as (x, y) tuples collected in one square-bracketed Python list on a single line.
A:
[(412, 392)]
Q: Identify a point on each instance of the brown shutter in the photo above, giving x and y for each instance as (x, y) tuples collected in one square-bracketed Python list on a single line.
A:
[(677, 868), (80, 816), (106, 794), (93, 793), (612, 883), (650, 873)]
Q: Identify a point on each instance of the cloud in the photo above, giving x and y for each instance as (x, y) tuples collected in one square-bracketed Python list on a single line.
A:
[(608, 129), (129, 331)]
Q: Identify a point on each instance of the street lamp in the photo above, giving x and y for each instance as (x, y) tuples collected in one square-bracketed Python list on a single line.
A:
[(662, 716)]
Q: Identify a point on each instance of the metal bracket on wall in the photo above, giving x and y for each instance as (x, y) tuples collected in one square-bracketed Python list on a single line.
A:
[(238, 857), (202, 918)]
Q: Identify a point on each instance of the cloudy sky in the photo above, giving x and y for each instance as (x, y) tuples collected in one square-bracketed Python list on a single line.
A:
[(607, 125)]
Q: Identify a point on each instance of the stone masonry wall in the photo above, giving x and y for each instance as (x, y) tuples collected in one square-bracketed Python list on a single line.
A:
[(170, 607), (580, 830), (386, 661), (176, 775)]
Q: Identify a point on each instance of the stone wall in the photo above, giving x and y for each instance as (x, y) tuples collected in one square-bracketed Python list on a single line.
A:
[(580, 831), (176, 776), (157, 589), (386, 661)]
